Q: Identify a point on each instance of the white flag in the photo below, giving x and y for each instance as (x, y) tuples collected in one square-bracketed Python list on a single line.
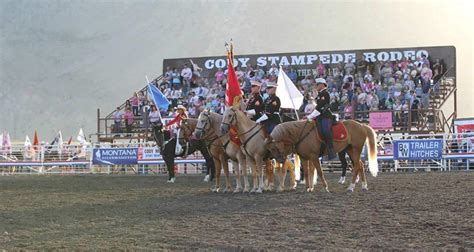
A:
[(1, 141), (290, 96), (60, 143), (81, 137), (27, 141)]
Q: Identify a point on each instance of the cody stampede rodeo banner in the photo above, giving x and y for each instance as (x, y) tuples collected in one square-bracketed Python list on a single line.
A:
[(305, 62)]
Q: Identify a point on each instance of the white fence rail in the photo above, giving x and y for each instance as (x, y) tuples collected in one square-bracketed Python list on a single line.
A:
[(456, 153)]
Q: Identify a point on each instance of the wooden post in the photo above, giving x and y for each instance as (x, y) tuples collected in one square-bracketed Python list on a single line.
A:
[(98, 124)]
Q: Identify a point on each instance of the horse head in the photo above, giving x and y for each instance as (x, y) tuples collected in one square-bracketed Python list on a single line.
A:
[(186, 129), (229, 119), (277, 149), (203, 124)]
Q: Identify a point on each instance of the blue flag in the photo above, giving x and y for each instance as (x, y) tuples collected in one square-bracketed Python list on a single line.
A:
[(158, 98)]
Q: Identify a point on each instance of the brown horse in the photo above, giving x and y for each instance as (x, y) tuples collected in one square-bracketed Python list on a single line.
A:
[(301, 137), (252, 136), (221, 149)]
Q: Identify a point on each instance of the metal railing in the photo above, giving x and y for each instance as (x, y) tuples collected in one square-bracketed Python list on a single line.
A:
[(457, 154)]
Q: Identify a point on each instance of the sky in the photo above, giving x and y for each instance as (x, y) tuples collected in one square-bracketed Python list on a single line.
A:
[(62, 60)]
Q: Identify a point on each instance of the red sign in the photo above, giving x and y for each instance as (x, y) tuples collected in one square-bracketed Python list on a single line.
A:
[(380, 120)]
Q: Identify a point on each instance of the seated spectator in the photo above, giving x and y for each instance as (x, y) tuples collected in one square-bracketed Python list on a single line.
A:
[(293, 75), (320, 70), (310, 106), (273, 72), (220, 76), (349, 67), (176, 79), (347, 110)]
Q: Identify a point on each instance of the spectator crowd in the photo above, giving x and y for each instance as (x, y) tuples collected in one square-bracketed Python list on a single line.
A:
[(355, 88)]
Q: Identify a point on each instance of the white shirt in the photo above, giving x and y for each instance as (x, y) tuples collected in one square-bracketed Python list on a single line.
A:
[(154, 116), (187, 73)]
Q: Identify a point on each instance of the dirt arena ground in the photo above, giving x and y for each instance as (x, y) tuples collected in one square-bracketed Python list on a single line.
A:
[(401, 211)]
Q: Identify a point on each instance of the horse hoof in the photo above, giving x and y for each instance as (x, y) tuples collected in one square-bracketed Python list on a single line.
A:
[(253, 190), (365, 188), (245, 190), (351, 190), (259, 190), (237, 190), (342, 180), (327, 190)]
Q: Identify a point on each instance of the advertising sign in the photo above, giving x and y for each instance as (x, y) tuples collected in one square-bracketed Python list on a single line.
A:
[(115, 156), (380, 120), (148, 153), (418, 149)]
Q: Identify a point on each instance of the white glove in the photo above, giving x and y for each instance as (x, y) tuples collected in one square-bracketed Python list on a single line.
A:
[(262, 118), (251, 112), (313, 114)]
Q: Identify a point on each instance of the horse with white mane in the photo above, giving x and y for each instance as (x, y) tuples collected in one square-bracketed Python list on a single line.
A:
[(222, 148), (301, 137), (252, 135)]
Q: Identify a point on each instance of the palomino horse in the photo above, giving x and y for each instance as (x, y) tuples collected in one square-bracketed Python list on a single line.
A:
[(168, 149), (252, 136), (222, 149), (301, 137)]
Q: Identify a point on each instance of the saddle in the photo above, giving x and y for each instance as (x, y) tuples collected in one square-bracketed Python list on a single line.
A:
[(339, 132)]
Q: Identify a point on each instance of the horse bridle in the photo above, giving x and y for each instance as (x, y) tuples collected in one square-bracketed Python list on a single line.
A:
[(244, 144), (206, 122)]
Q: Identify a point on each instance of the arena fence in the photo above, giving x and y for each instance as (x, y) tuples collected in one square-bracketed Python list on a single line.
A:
[(396, 153)]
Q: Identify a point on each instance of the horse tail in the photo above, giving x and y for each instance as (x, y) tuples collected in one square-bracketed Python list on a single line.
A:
[(297, 165), (373, 163)]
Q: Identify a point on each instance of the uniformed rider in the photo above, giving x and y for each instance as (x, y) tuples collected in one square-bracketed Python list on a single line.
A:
[(324, 116)]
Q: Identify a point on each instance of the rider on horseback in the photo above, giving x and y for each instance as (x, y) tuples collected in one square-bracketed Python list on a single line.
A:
[(324, 116), (255, 105), (271, 118)]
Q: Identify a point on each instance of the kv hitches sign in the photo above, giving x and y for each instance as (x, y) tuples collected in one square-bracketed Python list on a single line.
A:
[(115, 156), (418, 149)]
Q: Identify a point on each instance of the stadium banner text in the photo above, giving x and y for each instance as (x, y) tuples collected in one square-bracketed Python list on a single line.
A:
[(418, 149)]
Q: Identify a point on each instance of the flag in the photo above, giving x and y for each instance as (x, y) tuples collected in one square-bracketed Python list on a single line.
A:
[(233, 92), (81, 137), (6, 144), (60, 142), (290, 96), (158, 98), (29, 150), (1, 141), (36, 141), (27, 141)]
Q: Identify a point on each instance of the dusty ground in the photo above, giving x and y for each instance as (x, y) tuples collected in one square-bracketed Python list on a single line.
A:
[(401, 211)]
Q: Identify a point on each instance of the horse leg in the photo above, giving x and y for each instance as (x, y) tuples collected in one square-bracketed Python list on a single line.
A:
[(253, 165), (306, 167), (236, 167), (243, 168), (225, 165), (291, 167), (218, 167), (320, 173), (362, 176), (269, 178), (355, 157), (342, 158), (259, 168)]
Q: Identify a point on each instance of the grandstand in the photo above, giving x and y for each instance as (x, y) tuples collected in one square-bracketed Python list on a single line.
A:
[(412, 92)]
